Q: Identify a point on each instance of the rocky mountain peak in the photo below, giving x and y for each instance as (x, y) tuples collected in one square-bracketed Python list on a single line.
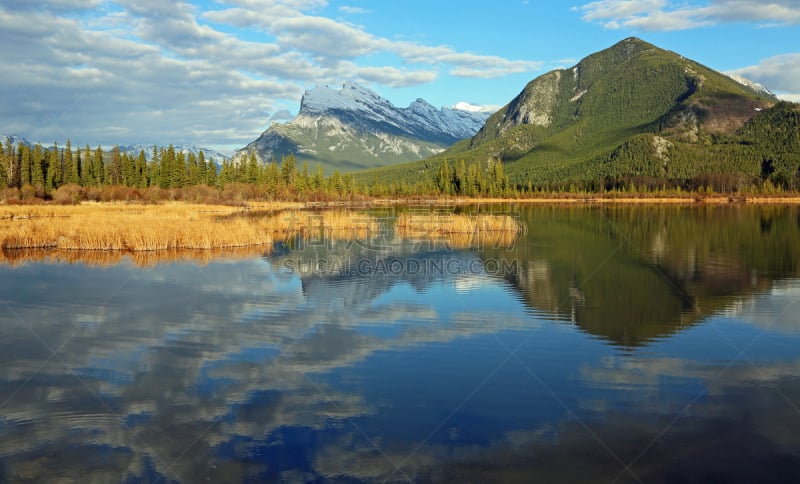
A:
[(331, 122)]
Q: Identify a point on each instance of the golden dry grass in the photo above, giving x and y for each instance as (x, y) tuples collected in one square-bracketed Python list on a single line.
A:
[(109, 233), (459, 230), (174, 226), (104, 258), (331, 224), (128, 227)]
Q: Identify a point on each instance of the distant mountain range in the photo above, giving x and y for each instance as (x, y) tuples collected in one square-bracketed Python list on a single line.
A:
[(632, 111), (185, 149), (355, 128), (15, 139), (132, 150)]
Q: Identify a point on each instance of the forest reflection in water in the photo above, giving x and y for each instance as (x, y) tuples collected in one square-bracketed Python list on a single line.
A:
[(631, 343)]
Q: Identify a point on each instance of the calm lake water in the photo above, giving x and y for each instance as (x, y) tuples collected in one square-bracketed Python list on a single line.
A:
[(629, 344)]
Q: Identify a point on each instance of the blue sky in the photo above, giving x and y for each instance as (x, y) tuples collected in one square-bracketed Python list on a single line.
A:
[(216, 73)]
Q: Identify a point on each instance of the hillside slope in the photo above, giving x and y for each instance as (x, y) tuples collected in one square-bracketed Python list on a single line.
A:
[(630, 111)]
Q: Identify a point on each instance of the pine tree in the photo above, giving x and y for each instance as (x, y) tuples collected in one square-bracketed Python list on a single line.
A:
[(179, 170), (303, 179), (114, 167), (71, 174), (202, 177), (289, 171), (347, 184), (66, 162), (154, 169), (13, 167), (24, 154), (251, 175), (86, 173), (228, 173), (211, 176), (128, 170), (193, 170), (140, 171), (53, 172), (3, 162), (443, 179), (99, 167), (77, 168), (335, 183), (319, 178), (167, 172), (272, 177)]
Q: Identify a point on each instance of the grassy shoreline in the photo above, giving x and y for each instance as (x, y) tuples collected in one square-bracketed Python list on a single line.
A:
[(167, 227), (183, 226), (177, 226)]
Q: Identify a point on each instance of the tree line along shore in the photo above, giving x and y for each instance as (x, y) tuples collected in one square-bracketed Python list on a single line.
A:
[(34, 174)]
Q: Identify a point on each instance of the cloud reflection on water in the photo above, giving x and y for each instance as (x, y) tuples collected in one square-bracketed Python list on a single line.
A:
[(239, 369)]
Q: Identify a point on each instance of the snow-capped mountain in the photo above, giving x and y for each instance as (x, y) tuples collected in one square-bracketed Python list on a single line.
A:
[(15, 140), (355, 128), (369, 110), (760, 88)]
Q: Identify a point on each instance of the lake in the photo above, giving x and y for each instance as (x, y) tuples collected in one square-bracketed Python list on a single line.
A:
[(605, 344)]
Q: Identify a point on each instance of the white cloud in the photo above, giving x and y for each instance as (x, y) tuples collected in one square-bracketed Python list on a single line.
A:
[(386, 75), (463, 64), (780, 74), (281, 115), (124, 71), (663, 15), (353, 10), (619, 8), (323, 36), (52, 5), (488, 72), (236, 17), (66, 77), (474, 108)]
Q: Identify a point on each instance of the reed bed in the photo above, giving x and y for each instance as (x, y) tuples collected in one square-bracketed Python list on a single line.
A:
[(331, 224), (174, 226), (127, 227), (104, 234), (459, 230)]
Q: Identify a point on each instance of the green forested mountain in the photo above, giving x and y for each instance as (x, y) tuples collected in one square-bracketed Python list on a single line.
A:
[(630, 114)]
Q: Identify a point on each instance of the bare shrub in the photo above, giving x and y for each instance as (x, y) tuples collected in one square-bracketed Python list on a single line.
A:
[(70, 194), (10, 195), (28, 192)]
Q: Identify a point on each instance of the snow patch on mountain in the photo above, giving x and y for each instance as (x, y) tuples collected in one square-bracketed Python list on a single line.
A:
[(15, 140), (751, 84), (366, 109)]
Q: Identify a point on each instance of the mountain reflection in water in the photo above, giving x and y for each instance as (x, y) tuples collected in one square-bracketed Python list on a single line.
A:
[(652, 344)]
